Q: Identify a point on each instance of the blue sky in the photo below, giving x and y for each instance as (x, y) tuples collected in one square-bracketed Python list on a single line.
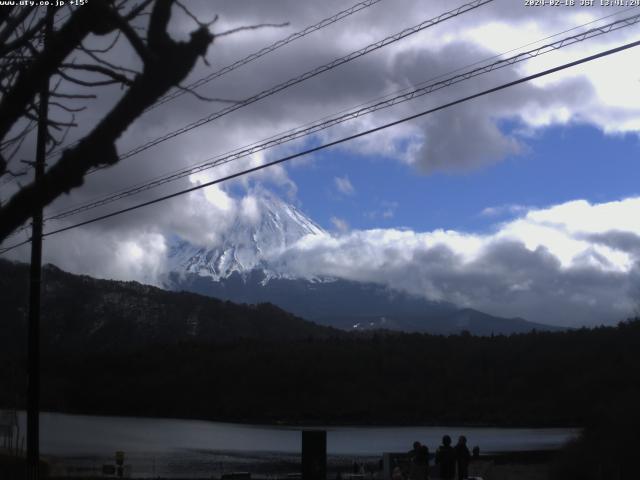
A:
[(560, 163), (517, 203)]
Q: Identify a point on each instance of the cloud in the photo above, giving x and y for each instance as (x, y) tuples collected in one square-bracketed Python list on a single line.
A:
[(587, 94), (575, 251), (617, 240), (502, 210), (386, 211), (138, 250), (444, 150), (575, 263), (343, 185), (340, 224), (552, 265), (134, 255)]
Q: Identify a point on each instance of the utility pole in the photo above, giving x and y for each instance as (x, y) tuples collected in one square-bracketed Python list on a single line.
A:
[(35, 278)]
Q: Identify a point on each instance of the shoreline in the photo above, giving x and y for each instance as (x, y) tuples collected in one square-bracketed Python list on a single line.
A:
[(294, 424), (525, 465)]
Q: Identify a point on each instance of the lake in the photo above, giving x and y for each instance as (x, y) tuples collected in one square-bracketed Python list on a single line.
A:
[(80, 444)]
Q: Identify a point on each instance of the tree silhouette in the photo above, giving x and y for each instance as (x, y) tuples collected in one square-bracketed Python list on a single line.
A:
[(26, 60)]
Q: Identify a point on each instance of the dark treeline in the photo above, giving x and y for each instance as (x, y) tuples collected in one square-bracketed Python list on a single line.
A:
[(606, 449), (536, 379), (80, 313)]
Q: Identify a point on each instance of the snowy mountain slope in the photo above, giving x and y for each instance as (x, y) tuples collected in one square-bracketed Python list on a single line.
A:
[(248, 245), (243, 267)]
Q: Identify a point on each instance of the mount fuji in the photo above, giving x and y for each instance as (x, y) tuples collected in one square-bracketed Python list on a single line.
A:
[(250, 246), (243, 267)]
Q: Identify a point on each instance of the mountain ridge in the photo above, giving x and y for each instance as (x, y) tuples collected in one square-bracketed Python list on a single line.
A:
[(244, 267), (358, 306), (79, 311)]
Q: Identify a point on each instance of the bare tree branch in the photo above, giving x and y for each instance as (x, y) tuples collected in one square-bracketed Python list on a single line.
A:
[(251, 27), (166, 63), (82, 22), (134, 39), (24, 37), (115, 76), (14, 23), (57, 142), (85, 83), (15, 150), (108, 47), (67, 108), (5, 13), (72, 96), (106, 63), (26, 129), (137, 11), (194, 18)]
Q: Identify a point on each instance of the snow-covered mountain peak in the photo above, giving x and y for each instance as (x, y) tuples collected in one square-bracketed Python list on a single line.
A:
[(253, 240)]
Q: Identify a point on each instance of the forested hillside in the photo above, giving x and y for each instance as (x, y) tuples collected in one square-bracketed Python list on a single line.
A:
[(538, 379), (84, 313)]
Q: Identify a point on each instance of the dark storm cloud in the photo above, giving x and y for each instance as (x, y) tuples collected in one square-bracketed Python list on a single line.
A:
[(505, 278), (393, 67), (619, 240)]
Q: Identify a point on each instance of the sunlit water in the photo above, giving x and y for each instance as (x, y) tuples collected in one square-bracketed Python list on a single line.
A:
[(81, 444)]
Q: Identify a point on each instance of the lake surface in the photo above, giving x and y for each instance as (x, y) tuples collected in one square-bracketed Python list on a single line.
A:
[(190, 448)]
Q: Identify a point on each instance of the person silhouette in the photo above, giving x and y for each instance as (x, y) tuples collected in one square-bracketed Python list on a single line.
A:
[(424, 451), (463, 457), (419, 462), (446, 459)]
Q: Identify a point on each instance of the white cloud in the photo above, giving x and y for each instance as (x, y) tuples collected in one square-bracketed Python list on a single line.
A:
[(544, 259), (344, 186), (575, 263), (600, 94), (135, 255), (250, 209), (552, 265), (502, 210), (386, 211), (593, 94), (340, 224)]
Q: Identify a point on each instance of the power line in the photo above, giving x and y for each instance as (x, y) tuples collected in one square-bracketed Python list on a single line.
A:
[(305, 76), (253, 56), (330, 20), (268, 49), (8, 249), (505, 52), (309, 74), (333, 121), (339, 141)]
